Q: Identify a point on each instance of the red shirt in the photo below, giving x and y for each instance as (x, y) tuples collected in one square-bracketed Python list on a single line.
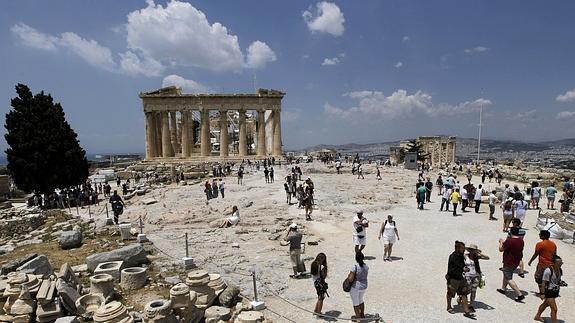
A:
[(512, 252), (546, 250)]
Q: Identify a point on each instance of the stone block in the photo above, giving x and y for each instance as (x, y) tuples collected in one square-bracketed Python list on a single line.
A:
[(13, 265), (111, 268), (46, 292), (37, 266), (132, 255), (68, 295), (88, 304), (250, 317), (102, 284), (48, 312), (70, 239), (149, 201), (67, 319), (217, 313), (67, 274), (229, 296), (133, 278)]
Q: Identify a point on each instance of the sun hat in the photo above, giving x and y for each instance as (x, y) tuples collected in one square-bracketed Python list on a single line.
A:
[(472, 247), (359, 211), (293, 225)]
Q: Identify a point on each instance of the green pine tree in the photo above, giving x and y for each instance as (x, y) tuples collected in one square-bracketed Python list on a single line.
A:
[(44, 152)]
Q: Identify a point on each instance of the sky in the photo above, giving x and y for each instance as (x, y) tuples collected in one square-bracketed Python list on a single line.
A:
[(354, 71)]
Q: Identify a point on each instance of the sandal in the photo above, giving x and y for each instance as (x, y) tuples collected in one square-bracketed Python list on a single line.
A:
[(501, 291), (469, 315), (522, 275), (450, 311)]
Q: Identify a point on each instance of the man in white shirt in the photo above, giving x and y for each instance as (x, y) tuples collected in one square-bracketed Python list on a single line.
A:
[(359, 225), (477, 198), (464, 199), (492, 201)]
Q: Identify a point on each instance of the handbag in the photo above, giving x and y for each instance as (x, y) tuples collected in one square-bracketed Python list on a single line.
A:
[(347, 284), (482, 281)]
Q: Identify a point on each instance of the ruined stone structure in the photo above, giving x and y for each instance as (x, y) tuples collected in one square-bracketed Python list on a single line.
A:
[(177, 123), (441, 149)]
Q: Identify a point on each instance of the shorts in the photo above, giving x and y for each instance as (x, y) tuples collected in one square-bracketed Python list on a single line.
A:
[(508, 272), (551, 293), (539, 273), (387, 240), (320, 288), (507, 216), (295, 257), (473, 281), (357, 296), (550, 199), (491, 209), (359, 241), (458, 287)]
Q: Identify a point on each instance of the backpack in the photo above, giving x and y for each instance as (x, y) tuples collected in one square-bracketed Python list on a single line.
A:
[(508, 205)]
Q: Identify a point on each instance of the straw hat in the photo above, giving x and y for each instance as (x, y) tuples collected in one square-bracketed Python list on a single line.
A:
[(472, 247)]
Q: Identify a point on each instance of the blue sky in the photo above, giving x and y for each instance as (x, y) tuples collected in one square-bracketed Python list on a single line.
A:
[(368, 71)]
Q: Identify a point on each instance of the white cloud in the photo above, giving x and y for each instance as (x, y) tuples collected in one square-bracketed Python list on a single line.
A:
[(89, 50), (524, 115), (330, 61), (259, 54), (566, 115), (34, 38), (328, 18), (132, 64), (177, 35), (566, 97), (398, 65), (405, 39), (477, 49), (375, 105), (189, 86)]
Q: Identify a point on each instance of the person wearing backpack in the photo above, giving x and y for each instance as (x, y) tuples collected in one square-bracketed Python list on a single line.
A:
[(507, 207), (357, 277), (318, 272), (552, 281), (388, 233)]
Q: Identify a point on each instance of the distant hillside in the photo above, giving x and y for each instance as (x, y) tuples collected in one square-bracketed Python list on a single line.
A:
[(560, 143)]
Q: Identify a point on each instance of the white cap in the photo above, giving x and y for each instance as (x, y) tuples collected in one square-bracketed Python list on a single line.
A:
[(293, 225)]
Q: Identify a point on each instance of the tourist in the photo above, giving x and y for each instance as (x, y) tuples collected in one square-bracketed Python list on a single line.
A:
[(544, 249), (271, 174), (429, 188), (421, 191), (477, 197), (222, 187), (516, 223), (464, 197), (512, 249), (388, 232), (233, 219), (550, 194), (535, 194), (267, 174), (439, 183), (308, 206), (117, 205), (445, 198), (300, 195), (214, 189), (483, 176), (469, 175), (318, 272), (566, 200), (507, 207), (241, 175), (360, 171), (492, 199), (358, 279), (338, 166), (455, 199), (208, 190), (288, 187), (520, 208), (294, 237), (360, 223), (456, 283), (473, 276), (552, 281), (378, 175), (527, 196)]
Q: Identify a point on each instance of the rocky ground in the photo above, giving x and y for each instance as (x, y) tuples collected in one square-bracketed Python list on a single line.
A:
[(411, 288)]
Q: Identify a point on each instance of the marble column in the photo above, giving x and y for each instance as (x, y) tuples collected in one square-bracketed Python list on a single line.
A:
[(166, 142), (150, 136), (174, 133), (205, 144), (223, 133), (261, 149), (185, 134), (191, 132), (277, 134), (243, 144), (158, 125)]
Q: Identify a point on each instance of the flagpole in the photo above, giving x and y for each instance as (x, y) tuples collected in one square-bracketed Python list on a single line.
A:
[(479, 137)]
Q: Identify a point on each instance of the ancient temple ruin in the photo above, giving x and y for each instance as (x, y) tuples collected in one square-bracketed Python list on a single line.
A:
[(212, 126), (441, 149)]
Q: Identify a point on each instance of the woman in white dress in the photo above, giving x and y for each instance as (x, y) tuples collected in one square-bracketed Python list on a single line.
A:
[(388, 233), (233, 219), (520, 208)]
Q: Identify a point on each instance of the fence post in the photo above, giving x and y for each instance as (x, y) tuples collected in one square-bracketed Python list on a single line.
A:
[(256, 304), (187, 249), (187, 261)]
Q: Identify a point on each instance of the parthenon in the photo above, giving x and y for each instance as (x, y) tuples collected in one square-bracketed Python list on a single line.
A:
[(208, 126)]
